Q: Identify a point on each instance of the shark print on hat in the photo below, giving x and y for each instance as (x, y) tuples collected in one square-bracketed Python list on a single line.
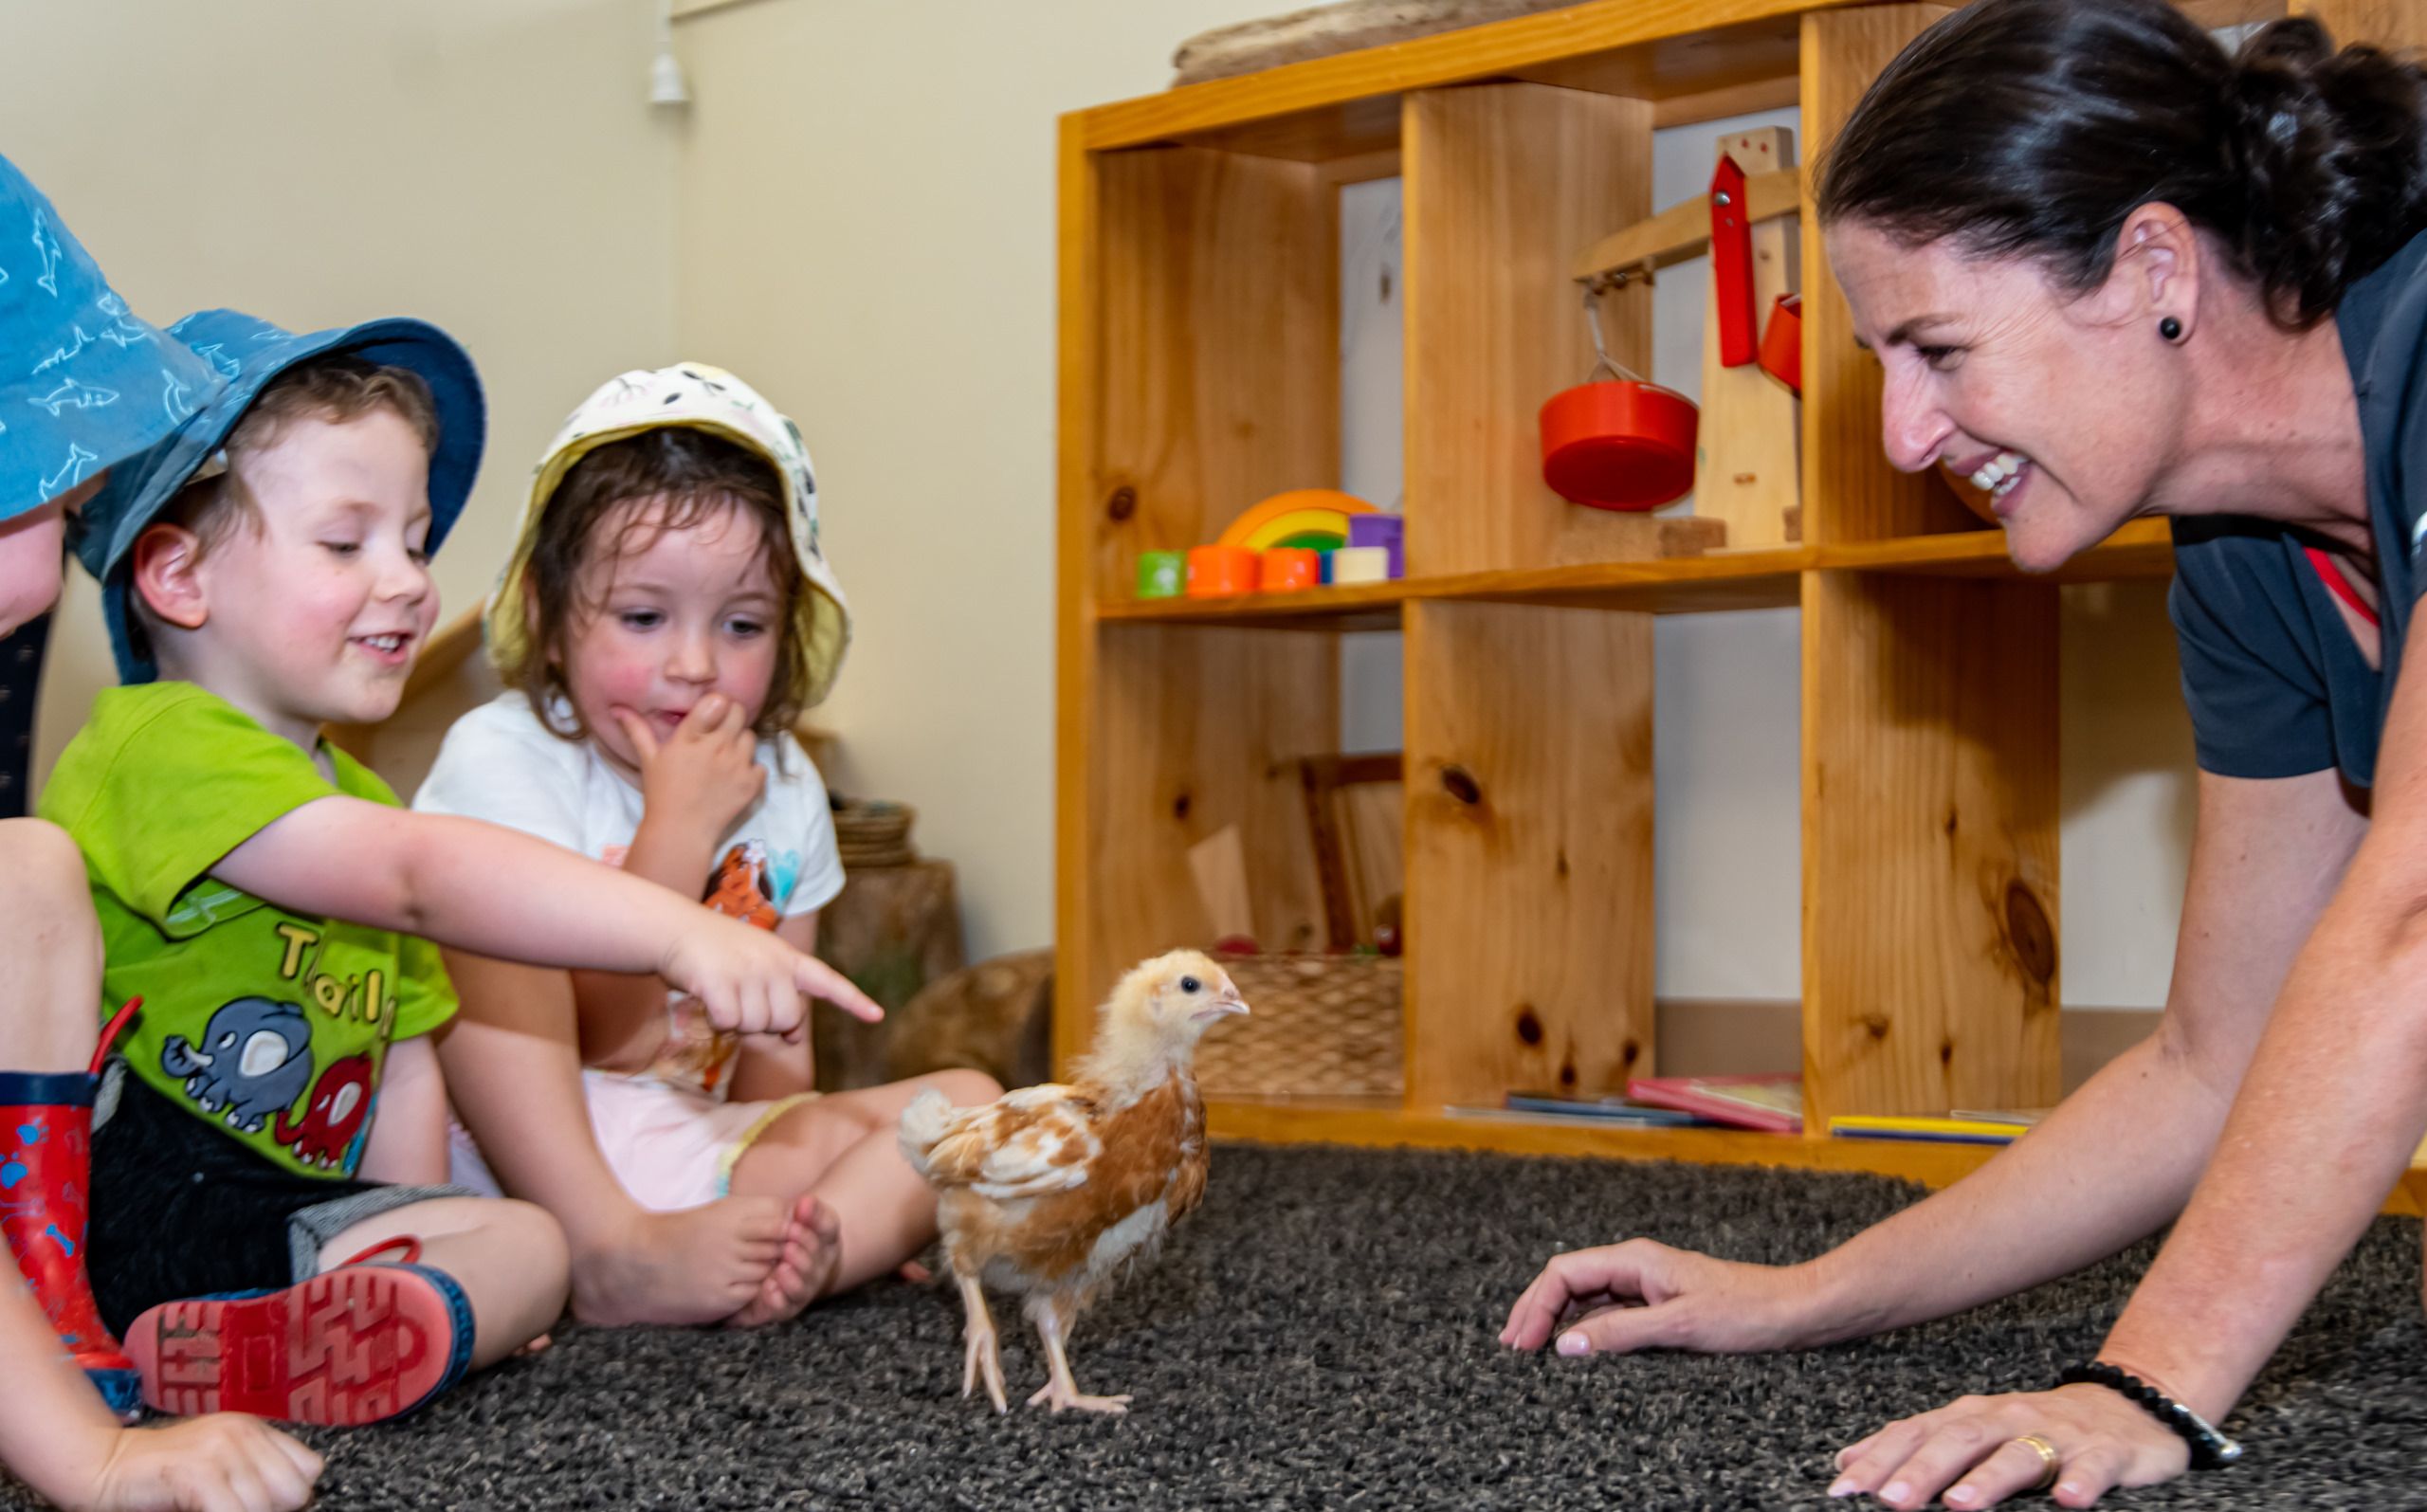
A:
[(78, 369)]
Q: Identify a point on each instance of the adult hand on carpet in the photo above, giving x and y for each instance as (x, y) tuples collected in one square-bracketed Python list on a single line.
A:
[(1975, 1447), (1644, 1295)]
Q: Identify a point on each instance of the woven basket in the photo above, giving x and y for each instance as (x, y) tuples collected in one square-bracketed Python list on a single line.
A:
[(871, 833), (1319, 1026)]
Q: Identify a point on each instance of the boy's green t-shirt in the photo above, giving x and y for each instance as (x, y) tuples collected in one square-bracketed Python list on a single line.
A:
[(271, 1027)]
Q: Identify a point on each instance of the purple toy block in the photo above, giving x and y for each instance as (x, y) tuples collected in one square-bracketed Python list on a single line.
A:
[(1386, 531)]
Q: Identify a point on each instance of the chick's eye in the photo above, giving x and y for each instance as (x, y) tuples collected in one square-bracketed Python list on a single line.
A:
[(1190, 984)]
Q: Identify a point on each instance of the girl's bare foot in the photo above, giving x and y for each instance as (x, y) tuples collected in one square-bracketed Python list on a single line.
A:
[(699, 1265), (812, 1254)]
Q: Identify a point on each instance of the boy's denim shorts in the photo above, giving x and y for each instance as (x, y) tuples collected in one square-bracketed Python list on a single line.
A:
[(179, 1209)]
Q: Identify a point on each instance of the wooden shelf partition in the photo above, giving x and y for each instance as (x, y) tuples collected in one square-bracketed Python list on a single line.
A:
[(1199, 374)]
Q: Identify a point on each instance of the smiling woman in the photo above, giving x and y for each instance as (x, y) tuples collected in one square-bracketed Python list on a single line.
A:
[(2111, 271)]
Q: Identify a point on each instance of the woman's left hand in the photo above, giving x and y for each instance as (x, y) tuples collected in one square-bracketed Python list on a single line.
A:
[(1975, 1452)]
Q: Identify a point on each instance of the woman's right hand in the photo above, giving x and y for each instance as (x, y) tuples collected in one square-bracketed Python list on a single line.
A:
[(750, 981), (1645, 1295), (222, 1463)]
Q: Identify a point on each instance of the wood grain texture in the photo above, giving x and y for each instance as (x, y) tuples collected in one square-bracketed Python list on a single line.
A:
[(1502, 183), (1850, 490), (1667, 47), (1296, 1121), (2142, 548), (1077, 376), (1929, 845), (1746, 471), (2386, 22), (1356, 812), (1197, 730), (1218, 283), (1683, 230), (1529, 804), (1717, 104)]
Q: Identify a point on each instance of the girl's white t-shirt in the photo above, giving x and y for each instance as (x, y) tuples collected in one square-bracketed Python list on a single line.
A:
[(779, 860)]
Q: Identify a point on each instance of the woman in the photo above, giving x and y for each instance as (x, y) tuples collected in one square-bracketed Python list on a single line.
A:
[(2112, 272)]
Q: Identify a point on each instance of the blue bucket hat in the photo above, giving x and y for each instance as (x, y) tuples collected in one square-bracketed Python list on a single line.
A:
[(244, 353), (83, 384)]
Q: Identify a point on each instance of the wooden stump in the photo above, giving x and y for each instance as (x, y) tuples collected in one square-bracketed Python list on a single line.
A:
[(892, 930), (997, 1017)]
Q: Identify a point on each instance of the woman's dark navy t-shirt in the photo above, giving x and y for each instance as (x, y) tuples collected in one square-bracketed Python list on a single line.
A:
[(2275, 684)]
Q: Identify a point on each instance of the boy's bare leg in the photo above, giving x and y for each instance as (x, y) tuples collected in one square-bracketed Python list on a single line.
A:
[(514, 1074), (50, 965), (843, 1151), (509, 1256)]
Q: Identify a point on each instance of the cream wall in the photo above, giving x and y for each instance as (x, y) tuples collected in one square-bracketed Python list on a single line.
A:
[(491, 165), (867, 233)]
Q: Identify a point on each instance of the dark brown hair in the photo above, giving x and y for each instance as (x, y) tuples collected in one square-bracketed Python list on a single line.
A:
[(2034, 128), (697, 476)]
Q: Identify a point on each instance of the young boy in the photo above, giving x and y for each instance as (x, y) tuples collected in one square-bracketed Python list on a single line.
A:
[(62, 1438), (264, 573)]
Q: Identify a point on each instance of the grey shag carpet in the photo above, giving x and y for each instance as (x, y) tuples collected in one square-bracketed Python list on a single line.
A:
[(1321, 1335)]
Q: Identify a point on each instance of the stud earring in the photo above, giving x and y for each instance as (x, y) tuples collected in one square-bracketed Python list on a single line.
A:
[(2170, 328)]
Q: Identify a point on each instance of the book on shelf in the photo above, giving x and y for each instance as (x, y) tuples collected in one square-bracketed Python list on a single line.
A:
[(1601, 1107), (1772, 1101), (1501, 1114), (2026, 1117), (1954, 1129)]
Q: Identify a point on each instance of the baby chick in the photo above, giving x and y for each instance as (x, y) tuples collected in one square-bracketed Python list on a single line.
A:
[(1048, 1189)]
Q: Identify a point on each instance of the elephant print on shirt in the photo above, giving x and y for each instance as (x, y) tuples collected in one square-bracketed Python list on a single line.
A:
[(254, 1060), (339, 1105)]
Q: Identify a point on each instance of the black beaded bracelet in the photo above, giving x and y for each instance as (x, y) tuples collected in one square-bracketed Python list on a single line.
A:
[(2210, 1449)]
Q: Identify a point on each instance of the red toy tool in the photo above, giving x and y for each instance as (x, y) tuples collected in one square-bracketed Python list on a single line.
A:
[(1731, 265)]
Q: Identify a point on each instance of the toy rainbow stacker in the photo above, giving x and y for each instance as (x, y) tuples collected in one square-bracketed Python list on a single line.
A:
[(1315, 519), (1290, 542)]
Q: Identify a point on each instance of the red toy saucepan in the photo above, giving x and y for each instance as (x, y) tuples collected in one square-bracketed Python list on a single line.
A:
[(1621, 443)]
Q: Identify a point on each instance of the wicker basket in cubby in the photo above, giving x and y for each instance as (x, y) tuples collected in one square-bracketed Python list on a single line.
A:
[(1319, 1026)]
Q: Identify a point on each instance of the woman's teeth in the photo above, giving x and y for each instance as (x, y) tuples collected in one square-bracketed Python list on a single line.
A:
[(1997, 475)]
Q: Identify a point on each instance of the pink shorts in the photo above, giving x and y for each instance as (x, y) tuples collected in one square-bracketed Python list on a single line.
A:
[(671, 1147)]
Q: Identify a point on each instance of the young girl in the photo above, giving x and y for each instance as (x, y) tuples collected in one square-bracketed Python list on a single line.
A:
[(666, 616)]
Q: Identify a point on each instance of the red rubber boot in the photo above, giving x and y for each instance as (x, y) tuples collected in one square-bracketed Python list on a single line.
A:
[(363, 1343), (46, 1165)]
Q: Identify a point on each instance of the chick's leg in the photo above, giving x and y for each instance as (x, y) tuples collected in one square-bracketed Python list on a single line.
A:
[(1053, 1316), (984, 1358)]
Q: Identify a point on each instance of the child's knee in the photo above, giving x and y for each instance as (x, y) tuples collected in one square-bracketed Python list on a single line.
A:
[(40, 864), (532, 1234), (46, 898)]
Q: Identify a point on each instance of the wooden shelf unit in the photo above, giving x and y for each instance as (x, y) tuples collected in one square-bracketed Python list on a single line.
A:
[(1199, 374)]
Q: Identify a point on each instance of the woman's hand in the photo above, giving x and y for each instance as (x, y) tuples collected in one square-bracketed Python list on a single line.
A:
[(705, 774), (1644, 1295), (1974, 1448)]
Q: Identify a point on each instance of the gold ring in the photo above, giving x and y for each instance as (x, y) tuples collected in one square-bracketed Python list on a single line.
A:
[(2050, 1461)]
